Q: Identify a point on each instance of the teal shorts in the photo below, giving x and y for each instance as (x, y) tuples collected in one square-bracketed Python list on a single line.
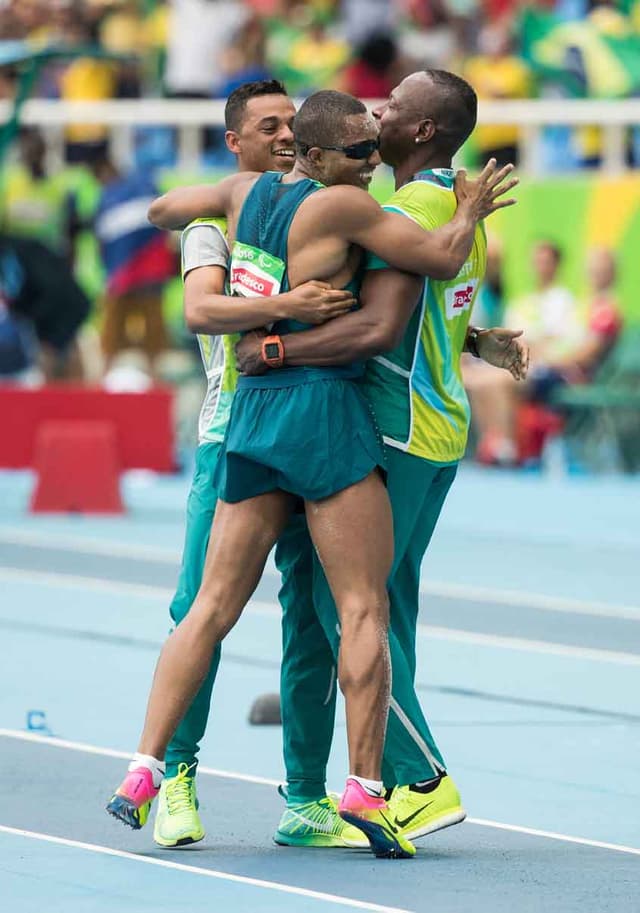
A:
[(311, 439)]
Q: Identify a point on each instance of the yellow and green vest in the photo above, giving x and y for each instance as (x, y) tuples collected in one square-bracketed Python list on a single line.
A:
[(416, 390)]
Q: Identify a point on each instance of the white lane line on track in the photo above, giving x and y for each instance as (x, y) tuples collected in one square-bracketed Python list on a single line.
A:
[(15, 536), (526, 600), (552, 835), (455, 635), (257, 607), (108, 548), (208, 873), (124, 588), (549, 648), (54, 742), (94, 584)]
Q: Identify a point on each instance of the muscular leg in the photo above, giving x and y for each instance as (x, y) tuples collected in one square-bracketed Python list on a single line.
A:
[(417, 490), (353, 534), (241, 538)]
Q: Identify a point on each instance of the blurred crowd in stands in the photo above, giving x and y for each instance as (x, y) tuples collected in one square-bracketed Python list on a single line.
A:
[(569, 341), (508, 49), (80, 285)]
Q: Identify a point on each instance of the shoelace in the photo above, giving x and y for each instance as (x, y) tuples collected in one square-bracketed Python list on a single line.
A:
[(329, 815), (179, 791), (320, 815)]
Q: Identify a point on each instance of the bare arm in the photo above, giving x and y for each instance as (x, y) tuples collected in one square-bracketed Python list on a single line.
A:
[(208, 310), (388, 299), (177, 208), (401, 243)]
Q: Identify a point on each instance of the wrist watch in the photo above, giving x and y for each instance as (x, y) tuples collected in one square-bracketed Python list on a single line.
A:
[(273, 351), (473, 335)]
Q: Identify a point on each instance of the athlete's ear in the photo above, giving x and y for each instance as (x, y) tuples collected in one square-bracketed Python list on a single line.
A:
[(232, 140), (315, 155), (426, 131)]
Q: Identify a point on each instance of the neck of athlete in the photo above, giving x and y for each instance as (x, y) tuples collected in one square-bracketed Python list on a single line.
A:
[(302, 169), (422, 159)]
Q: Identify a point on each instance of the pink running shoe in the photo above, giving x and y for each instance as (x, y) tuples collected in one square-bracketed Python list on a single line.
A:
[(372, 816), (132, 800)]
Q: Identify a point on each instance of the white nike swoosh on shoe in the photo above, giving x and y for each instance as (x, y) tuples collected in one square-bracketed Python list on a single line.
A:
[(325, 828)]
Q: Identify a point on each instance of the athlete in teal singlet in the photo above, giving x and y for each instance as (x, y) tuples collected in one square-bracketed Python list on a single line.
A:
[(258, 119), (275, 417)]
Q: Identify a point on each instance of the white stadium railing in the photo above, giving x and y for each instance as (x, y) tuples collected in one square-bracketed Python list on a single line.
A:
[(121, 117)]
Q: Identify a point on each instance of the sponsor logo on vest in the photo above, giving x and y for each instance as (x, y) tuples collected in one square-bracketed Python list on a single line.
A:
[(462, 296), (248, 282), (244, 252), (459, 298)]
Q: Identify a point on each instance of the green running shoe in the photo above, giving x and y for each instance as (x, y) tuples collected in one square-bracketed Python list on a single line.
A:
[(177, 820), (317, 824)]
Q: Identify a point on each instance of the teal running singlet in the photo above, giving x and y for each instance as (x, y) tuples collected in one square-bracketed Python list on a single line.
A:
[(307, 431)]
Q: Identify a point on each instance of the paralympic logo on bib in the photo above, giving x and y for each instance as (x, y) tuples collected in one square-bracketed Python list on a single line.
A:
[(254, 273)]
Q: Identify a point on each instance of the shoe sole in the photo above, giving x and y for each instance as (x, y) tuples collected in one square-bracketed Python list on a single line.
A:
[(125, 811), (321, 841), (184, 841), (382, 844), (456, 816)]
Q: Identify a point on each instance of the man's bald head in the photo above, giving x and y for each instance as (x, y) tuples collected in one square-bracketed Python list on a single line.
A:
[(430, 106)]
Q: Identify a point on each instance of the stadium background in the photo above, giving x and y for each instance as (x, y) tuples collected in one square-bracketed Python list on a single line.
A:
[(528, 653), (571, 49)]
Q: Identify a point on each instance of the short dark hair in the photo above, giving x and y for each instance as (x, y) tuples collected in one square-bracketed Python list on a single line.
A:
[(320, 119), (237, 102), (458, 109)]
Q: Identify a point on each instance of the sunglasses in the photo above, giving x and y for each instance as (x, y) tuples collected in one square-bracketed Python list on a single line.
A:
[(360, 150)]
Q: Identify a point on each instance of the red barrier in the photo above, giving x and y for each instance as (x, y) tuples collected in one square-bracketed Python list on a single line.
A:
[(142, 421), (78, 468)]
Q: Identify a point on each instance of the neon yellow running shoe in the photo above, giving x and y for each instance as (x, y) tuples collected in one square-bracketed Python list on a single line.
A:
[(316, 824), (177, 820), (372, 816), (418, 813)]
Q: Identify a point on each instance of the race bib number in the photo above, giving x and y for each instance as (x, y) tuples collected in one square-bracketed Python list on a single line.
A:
[(458, 299), (254, 273)]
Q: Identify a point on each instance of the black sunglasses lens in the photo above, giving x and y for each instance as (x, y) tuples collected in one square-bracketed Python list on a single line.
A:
[(361, 150)]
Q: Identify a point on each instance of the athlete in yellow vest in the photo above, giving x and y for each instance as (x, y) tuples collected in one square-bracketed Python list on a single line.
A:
[(415, 387)]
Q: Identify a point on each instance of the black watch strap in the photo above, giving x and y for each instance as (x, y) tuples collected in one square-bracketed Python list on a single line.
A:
[(473, 334)]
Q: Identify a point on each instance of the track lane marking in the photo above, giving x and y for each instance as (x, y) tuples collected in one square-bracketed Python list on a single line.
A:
[(164, 555), (208, 873), (83, 747), (456, 635)]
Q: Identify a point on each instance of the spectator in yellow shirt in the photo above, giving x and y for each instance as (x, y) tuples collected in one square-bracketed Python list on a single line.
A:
[(86, 79), (497, 73)]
